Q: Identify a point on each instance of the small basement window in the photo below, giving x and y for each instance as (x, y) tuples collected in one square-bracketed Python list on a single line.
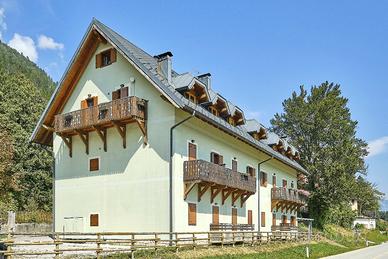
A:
[(94, 164), (94, 220)]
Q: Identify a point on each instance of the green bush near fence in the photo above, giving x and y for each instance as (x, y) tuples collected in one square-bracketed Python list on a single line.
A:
[(37, 216)]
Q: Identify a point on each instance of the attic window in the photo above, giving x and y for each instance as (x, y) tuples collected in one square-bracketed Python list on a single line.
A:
[(105, 58), (191, 97), (213, 111)]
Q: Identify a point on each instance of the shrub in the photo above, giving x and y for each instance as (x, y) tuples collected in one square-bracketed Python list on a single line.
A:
[(36, 216)]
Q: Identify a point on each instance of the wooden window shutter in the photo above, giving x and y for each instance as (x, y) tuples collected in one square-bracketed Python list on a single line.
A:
[(212, 157), (94, 164), (84, 104), (265, 179), (273, 219), (216, 215), (262, 219), (284, 183), (94, 220), (124, 92), (234, 216), (95, 101), (234, 165), (274, 180), (192, 214), (221, 160), (284, 219), (253, 172), (113, 55), (116, 95), (250, 217), (192, 152), (98, 60), (293, 221)]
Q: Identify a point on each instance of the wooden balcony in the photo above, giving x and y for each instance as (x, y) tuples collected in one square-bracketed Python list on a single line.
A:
[(284, 227), (232, 227), (218, 179), (98, 118), (287, 199)]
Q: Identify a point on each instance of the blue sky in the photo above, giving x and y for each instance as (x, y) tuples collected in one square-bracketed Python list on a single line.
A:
[(257, 53)]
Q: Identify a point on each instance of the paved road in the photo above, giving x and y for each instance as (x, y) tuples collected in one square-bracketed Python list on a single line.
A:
[(372, 252)]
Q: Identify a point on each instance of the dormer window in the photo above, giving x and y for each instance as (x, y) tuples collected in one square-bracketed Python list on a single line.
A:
[(105, 58), (231, 121), (214, 111), (191, 96)]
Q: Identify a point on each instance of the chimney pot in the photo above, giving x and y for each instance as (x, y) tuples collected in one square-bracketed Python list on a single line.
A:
[(206, 79)]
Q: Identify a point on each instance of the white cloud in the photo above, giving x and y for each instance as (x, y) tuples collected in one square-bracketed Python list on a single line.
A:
[(45, 42), (24, 45), (3, 25), (377, 146)]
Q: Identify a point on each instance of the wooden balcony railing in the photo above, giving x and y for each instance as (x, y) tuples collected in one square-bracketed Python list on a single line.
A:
[(284, 227), (288, 195), (231, 227), (104, 114), (200, 170)]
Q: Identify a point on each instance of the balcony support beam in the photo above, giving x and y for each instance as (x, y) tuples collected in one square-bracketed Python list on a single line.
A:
[(143, 128), (68, 142), (202, 188), (102, 134), (226, 193), (122, 130), (244, 198), (214, 191), (188, 188), (85, 139), (235, 195)]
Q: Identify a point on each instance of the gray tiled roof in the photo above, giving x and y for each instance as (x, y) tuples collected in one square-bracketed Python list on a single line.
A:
[(148, 65)]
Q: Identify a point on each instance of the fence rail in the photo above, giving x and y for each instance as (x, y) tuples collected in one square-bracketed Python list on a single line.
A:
[(98, 244)]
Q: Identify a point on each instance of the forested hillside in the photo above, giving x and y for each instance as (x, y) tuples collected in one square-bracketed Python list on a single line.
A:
[(25, 168)]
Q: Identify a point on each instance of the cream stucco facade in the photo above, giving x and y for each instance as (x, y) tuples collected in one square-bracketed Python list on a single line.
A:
[(130, 191)]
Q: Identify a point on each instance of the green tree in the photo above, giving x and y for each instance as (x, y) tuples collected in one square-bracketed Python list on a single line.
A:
[(367, 195), (320, 126), (21, 104)]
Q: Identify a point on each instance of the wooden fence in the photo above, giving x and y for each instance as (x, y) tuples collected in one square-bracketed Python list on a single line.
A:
[(99, 244)]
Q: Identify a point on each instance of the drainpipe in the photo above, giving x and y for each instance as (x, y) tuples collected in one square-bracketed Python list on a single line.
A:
[(171, 169), (258, 191)]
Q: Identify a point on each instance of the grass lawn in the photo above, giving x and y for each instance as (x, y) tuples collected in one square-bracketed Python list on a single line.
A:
[(316, 251)]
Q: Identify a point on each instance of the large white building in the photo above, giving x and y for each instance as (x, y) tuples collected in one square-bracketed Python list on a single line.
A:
[(140, 147)]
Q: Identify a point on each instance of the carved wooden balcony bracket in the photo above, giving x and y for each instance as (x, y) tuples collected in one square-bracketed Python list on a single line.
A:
[(226, 193), (143, 128), (68, 142), (202, 188), (101, 132), (244, 198), (235, 195), (188, 188), (214, 191), (122, 130), (85, 139)]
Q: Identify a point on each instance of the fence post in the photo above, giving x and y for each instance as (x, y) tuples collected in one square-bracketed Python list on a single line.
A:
[(132, 246), (156, 242), (194, 243), (56, 241), (9, 245), (208, 240), (222, 239), (98, 251), (233, 238)]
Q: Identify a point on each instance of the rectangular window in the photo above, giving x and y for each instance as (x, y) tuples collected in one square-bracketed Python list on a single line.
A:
[(89, 102), (263, 179), (216, 158), (216, 215), (262, 219), (250, 217), (284, 183), (94, 164), (192, 220), (251, 171), (120, 93), (274, 180), (94, 220), (292, 184), (273, 219), (234, 216), (234, 165), (192, 151)]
